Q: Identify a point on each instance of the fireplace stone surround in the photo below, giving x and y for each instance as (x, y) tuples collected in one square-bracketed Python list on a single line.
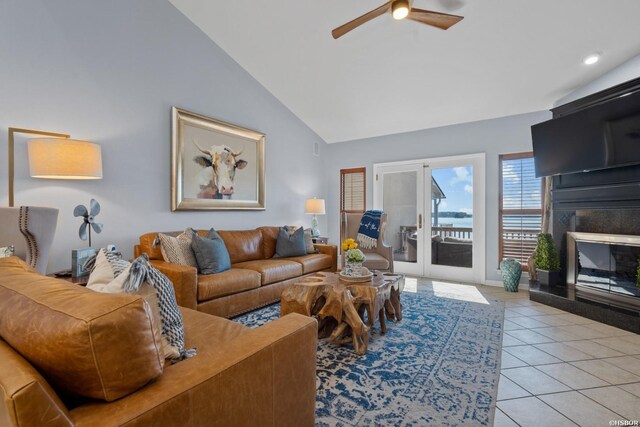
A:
[(603, 201)]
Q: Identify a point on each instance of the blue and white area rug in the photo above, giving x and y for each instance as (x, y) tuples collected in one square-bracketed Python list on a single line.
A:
[(439, 366)]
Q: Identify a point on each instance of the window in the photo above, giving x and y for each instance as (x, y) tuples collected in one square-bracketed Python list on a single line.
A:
[(520, 207), (353, 189)]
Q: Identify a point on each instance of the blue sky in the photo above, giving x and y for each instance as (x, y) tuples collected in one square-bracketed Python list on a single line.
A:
[(457, 185)]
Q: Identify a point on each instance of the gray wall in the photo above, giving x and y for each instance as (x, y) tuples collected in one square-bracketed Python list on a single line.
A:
[(109, 72), (493, 137)]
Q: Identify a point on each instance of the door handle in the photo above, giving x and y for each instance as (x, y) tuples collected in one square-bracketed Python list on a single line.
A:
[(420, 221)]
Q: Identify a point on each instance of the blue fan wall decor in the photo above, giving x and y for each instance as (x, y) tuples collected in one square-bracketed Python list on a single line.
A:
[(89, 216)]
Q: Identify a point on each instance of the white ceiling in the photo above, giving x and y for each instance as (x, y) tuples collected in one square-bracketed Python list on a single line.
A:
[(504, 58)]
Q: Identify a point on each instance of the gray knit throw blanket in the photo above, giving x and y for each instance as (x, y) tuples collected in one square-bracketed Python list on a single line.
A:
[(170, 317)]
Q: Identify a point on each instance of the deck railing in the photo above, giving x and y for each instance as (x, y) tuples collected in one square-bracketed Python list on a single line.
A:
[(457, 232)]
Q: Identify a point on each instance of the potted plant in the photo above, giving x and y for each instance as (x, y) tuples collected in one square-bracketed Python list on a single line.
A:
[(354, 258), (547, 260)]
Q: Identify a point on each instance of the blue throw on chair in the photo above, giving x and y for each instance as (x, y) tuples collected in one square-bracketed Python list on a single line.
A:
[(369, 229)]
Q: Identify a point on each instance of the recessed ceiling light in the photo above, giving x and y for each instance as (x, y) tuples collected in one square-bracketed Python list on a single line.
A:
[(591, 59)]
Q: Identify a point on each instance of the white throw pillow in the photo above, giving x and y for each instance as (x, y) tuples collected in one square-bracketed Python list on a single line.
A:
[(101, 280), (177, 250), (7, 251)]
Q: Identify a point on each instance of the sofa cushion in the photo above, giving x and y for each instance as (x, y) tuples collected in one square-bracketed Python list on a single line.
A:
[(290, 243), (207, 332), (273, 270), (376, 261), (228, 282), (108, 277), (312, 262), (149, 246), (457, 240), (94, 345), (308, 241), (269, 239), (177, 250), (211, 253), (243, 245), (28, 399), (13, 263)]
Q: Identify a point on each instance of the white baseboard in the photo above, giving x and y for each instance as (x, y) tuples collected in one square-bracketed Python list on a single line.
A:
[(499, 284)]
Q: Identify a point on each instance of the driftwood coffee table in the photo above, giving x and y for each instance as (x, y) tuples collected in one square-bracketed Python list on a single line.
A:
[(340, 306)]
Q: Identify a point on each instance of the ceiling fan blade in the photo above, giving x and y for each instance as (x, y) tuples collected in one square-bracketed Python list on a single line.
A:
[(95, 207), (351, 25), (80, 210), (435, 19)]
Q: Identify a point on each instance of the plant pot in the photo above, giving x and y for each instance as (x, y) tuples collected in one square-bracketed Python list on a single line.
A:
[(549, 278), (511, 271), (353, 269)]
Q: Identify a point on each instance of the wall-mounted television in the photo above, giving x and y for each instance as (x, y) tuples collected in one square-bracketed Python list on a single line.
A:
[(602, 136)]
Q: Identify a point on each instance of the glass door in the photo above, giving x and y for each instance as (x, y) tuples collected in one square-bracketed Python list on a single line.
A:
[(399, 192), (435, 216), (451, 189)]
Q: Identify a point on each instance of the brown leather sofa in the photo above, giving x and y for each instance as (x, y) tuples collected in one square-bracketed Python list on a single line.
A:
[(56, 337), (254, 280)]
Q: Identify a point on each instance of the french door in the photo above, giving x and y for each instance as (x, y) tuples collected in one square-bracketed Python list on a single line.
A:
[(435, 215)]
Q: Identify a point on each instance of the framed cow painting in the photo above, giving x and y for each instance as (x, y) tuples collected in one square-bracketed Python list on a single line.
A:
[(215, 165)]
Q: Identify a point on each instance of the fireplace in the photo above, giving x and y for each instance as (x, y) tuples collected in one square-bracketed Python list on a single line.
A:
[(604, 268), (596, 227)]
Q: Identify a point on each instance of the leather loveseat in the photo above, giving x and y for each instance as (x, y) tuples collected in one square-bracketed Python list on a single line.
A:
[(254, 280), (73, 357)]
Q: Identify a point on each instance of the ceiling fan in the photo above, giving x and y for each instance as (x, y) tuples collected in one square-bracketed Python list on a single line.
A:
[(400, 9)]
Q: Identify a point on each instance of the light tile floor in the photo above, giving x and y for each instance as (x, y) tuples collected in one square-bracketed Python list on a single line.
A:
[(561, 369)]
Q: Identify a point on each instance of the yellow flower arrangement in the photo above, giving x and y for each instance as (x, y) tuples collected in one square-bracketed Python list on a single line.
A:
[(349, 244)]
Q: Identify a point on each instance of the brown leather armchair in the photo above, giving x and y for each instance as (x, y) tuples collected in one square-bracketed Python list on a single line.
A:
[(378, 258)]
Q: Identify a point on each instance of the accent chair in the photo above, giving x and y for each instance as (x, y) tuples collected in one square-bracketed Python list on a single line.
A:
[(30, 231), (378, 258)]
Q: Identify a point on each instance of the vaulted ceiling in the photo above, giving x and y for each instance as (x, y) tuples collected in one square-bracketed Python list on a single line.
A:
[(504, 58)]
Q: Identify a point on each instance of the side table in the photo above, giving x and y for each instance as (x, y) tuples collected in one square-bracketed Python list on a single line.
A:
[(82, 281)]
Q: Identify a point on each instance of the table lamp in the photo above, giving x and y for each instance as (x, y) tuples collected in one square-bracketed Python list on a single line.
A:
[(315, 207)]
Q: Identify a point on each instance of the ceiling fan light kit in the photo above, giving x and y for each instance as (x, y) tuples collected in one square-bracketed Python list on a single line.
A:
[(400, 9)]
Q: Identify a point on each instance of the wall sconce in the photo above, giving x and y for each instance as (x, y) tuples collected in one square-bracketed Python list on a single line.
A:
[(57, 157)]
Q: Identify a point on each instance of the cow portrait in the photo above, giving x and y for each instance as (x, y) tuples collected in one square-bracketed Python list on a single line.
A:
[(219, 164)]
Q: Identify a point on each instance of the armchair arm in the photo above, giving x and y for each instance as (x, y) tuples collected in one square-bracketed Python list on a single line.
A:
[(265, 376), (386, 251), (329, 250), (184, 279)]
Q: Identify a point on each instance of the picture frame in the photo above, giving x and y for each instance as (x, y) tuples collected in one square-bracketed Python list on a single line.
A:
[(215, 165)]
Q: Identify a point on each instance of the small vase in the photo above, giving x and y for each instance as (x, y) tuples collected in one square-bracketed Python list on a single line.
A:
[(511, 271), (353, 269)]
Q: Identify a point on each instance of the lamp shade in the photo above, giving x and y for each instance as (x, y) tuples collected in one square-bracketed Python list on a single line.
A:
[(314, 206), (60, 158)]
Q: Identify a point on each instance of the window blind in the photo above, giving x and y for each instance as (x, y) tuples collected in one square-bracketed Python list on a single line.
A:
[(520, 207), (352, 190)]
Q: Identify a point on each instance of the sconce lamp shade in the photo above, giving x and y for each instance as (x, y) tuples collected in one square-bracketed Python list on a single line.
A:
[(62, 158), (314, 206)]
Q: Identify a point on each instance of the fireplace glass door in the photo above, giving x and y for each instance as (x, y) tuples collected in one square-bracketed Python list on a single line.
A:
[(608, 267)]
